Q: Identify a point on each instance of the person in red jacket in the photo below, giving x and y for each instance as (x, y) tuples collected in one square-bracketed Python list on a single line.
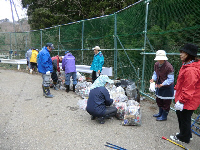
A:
[(55, 62), (187, 88)]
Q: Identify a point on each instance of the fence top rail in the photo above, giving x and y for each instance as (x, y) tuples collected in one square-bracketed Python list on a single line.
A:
[(136, 49), (142, 53)]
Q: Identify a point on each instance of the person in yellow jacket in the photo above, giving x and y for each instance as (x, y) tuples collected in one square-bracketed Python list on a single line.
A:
[(33, 60)]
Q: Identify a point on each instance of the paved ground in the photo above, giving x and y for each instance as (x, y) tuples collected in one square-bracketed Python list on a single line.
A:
[(29, 121)]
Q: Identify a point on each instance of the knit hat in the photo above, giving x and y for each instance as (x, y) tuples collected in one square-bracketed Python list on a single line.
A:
[(190, 49), (161, 55)]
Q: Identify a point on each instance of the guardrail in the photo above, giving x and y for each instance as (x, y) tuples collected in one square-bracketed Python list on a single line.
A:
[(18, 62), (4, 56), (79, 68)]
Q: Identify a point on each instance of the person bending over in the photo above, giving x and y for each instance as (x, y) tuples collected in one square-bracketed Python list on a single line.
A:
[(99, 101)]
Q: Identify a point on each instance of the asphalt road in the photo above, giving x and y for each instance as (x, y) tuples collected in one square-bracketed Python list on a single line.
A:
[(29, 121)]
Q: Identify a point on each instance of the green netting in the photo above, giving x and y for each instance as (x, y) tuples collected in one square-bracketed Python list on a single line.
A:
[(127, 45)]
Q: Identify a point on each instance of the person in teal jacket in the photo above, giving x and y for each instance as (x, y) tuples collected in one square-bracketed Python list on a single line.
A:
[(97, 63)]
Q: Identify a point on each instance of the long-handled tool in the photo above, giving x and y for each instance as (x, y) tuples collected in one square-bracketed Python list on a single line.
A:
[(195, 127), (174, 143), (114, 146)]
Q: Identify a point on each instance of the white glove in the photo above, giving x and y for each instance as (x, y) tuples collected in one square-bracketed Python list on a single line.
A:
[(178, 106), (48, 73), (152, 87), (97, 74)]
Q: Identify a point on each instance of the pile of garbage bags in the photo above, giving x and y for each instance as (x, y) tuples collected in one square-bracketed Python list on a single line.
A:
[(123, 92), (124, 99)]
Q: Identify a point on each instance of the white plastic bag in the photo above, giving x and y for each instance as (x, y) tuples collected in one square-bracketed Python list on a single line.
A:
[(152, 87), (82, 103)]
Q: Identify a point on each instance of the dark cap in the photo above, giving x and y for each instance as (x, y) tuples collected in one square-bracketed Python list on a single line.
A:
[(32, 48), (190, 49), (50, 45)]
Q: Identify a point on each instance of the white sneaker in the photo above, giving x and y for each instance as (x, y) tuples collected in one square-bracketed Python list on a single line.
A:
[(190, 138), (174, 138)]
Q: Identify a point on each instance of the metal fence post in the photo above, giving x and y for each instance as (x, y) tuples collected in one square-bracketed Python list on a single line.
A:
[(145, 38), (41, 37), (83, 25), (58, 40), (10, 46), (115, 47)]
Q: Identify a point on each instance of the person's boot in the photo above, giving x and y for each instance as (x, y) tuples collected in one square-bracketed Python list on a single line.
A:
[(47, 92), (93, 117), (74, 85), (163, 117), (159, 114), (31, 71), (67, 88), (108, 117), (101, 120), (43, 90), (54, 86)]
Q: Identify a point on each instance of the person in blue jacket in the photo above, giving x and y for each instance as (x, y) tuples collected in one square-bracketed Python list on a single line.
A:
[(99, 101), (46, 68), (97, 63)]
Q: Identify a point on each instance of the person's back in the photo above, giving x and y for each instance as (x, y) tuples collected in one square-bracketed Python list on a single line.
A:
[(34, 56), (44, 61), (98, 99), (28, 54), (69, 63), (55, 61)]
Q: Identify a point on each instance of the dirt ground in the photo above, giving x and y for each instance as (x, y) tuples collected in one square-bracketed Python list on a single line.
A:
[(29, 121)]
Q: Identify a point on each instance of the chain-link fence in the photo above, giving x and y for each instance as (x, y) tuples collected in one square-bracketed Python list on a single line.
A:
[(128, 38)]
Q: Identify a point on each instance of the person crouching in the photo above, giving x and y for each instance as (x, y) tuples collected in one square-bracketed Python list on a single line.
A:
[(99, 101)]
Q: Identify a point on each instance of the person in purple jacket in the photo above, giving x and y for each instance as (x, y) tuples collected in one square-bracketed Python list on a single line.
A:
[(68, 65)]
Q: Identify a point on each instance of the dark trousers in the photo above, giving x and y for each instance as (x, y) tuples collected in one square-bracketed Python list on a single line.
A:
[(94, 76), (110, 111), (164, 103), (33, 66), (54, 77), (184, 120)]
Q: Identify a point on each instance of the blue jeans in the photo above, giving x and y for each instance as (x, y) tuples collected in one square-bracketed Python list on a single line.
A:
[(67, 78)]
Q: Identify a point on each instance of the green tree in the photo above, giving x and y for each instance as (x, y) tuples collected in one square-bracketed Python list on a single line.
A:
[(47, 13)]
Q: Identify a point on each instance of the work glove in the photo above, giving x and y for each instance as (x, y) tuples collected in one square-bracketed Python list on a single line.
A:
[(178, 106), (48, 73), (97, 74), (152, 87)]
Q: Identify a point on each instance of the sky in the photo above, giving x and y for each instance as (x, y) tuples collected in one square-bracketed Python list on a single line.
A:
[(5, 10)]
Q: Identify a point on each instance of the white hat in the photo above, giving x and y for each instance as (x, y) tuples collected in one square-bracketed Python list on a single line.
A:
[(161, 55), (96, 47)]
